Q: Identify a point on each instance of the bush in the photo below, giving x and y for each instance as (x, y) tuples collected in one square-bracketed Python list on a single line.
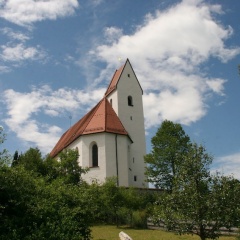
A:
[(30, 208), (139, 219)]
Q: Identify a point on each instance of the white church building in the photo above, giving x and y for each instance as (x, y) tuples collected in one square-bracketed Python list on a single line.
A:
[(111, 137)]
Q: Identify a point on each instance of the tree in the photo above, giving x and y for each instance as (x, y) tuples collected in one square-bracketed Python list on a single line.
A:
[(31, 208), (31, 160), (200, 203), (65, 167), (2, 135), (225, 195), (15, 161), (5, 158), (69, 167), (169, 145)]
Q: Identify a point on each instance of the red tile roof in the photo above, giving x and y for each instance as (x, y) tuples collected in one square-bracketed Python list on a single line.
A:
[(113, 84), (102, 118)]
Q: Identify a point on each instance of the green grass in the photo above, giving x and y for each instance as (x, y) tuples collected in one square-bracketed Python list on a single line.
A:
[(111, 233)]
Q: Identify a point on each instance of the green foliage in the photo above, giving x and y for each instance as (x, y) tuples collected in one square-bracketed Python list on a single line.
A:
[(112, 199), (5, 157), (31, 160), (30, 208), (199, 203), (225, 195), (68, 167), (139, 219), (16, 191), (118, 205), (105, 201), (2, 135), (169, 146), (15, 161), (42, 199)]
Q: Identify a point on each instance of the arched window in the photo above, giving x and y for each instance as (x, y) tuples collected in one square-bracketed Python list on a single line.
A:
[(130, 101), (94, 155)]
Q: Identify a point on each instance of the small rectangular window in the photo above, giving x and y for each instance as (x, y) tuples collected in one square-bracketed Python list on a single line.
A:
[(135, 178), (130, 101), (129, 75)]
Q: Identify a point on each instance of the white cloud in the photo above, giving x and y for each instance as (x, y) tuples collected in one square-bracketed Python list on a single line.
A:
[(228, 165), (4, 69), (16, 51), (95, 3), (166, 53), (112, 34), (26, 12), (24, 109), (19, 52), (13, 35), (216, 85)]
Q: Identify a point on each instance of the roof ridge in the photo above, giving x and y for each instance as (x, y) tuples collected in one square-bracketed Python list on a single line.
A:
[(115, 79)]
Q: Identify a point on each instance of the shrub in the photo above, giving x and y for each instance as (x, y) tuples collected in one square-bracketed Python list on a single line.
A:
[(139, 219)]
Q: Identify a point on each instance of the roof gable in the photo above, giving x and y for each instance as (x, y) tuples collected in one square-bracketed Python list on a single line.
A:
[(102, 118), (116, 77)]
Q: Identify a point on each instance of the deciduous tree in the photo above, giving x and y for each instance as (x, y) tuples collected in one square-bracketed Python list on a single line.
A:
[(169, 145), (199, 203), (31, 160)]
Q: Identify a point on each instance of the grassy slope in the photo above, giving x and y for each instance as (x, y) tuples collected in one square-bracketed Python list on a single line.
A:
[(112, 232)]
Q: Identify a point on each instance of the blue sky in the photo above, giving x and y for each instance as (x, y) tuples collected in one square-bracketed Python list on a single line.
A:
[(58, 56)]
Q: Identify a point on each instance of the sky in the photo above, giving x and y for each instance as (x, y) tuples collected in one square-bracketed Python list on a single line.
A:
[(57, 58)]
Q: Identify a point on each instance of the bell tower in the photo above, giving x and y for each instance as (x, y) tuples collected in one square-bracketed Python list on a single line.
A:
[(125, 95)]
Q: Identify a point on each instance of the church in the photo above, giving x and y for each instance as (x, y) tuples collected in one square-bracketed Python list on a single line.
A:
[(110, 138)]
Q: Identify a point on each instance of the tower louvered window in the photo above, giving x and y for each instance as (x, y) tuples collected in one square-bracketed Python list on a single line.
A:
[(130, 101)]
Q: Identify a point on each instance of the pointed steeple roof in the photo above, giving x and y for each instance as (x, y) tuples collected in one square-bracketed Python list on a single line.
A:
[(113, 84), (102, 118)]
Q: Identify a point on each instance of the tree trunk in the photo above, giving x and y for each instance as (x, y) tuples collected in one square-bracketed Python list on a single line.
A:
[(202, 232)]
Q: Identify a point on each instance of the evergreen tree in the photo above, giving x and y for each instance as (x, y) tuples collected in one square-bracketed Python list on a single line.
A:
[(15, 161)]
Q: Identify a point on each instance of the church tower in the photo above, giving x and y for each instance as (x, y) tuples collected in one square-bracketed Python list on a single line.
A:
[(125, 95), (110, 138)]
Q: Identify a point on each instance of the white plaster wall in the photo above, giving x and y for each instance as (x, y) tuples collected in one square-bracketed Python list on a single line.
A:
[(130, 155), (94, 173), (106, 157), (132, 118), (118, 158), (111, 166), (123, 160), (114, 97), (85, 160)]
